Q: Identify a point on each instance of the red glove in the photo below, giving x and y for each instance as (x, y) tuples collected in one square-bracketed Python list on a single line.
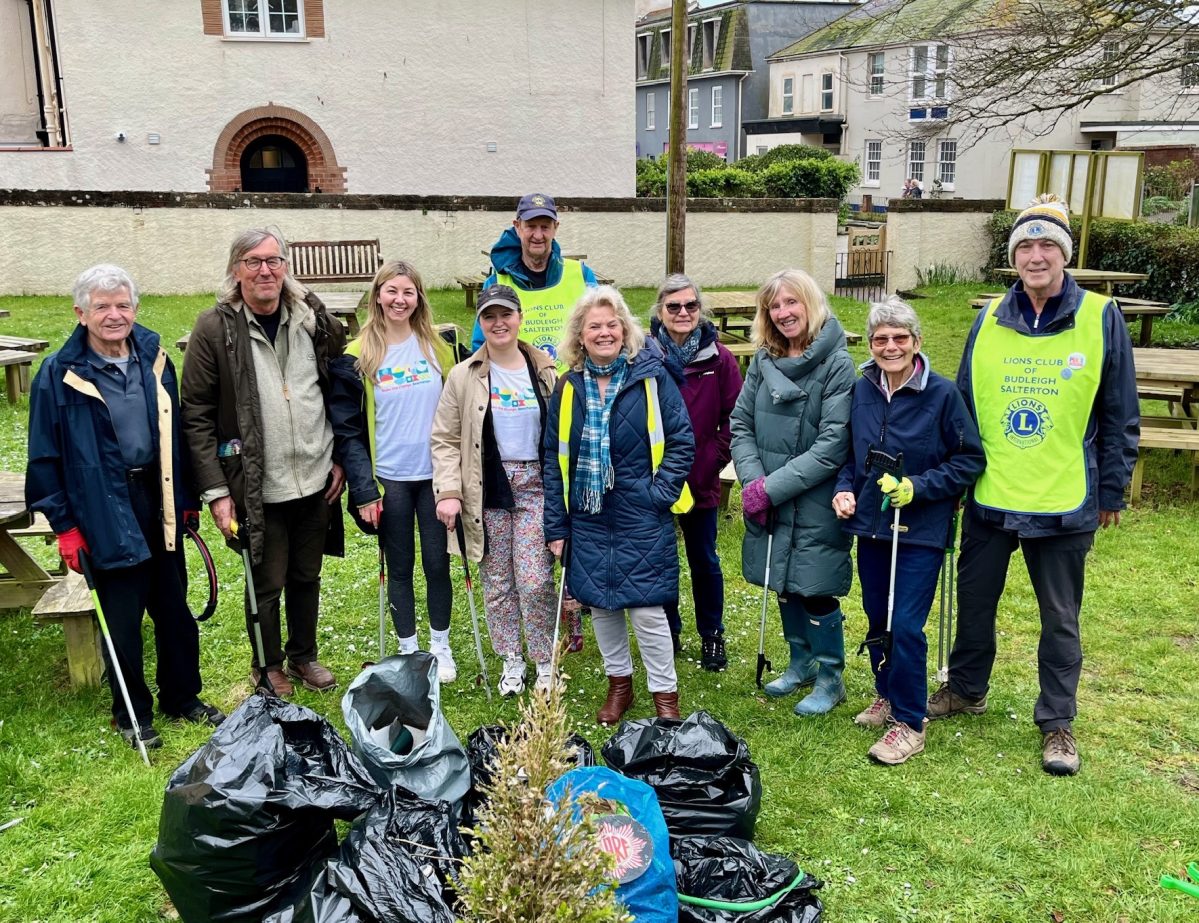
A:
[(70, 543), (191, 520)]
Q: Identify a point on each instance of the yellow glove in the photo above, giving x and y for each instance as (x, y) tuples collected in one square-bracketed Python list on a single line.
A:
[(899, 492)]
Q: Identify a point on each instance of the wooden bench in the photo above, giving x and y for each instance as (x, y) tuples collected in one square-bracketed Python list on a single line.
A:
[(70, 603), (24, 344), (471, 285), (1132, 308), (1166, 433), (14, 361), (318, 261)]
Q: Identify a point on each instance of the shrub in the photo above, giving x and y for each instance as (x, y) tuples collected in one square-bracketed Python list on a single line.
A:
[(1173, 181), (813, 178), (1155, 205), (781, 154), (725, 182), (651, 177), (703, 160)]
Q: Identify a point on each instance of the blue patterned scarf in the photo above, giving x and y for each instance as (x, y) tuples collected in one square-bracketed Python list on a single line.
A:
[(594, 475), (684, 354)]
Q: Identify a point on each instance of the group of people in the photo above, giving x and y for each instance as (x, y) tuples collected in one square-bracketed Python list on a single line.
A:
[(572, 433)]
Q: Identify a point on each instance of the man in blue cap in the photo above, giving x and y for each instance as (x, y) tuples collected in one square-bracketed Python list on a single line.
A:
[(528, 259)]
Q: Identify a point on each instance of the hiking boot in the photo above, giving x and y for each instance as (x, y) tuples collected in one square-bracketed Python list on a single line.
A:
[(714, 659), (199, 713), (1059, 754), (898, 745), (512, 680), (313, 675), (545, 677), (945, 702), (619, 701), (666, 704), (151, 739), (876, 715), (279, 681)]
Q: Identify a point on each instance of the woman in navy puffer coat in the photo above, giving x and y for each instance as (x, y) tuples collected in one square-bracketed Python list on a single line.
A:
[(622, 552)]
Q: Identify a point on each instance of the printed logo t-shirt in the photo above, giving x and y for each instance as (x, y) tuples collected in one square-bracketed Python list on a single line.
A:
[(407, 388), (515, 414)]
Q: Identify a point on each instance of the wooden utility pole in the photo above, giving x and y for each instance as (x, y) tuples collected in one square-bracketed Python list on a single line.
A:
[(676, 164)]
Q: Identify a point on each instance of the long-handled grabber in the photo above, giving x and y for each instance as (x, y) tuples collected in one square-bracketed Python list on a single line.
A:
[(474, 613), (86, 566), (945, 627), (264, 681), (558, 611), (892, 465), (382, 600), (763, 663)]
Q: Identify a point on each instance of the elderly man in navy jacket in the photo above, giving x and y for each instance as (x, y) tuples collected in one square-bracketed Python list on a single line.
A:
[(106, 470)]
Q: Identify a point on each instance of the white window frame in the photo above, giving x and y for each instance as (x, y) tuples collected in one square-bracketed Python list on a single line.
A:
[(650, 114), (692, 107), (934, 74), (717, 107), (916, 163), (645, 41), (876, 77), (761, 149), (708, 53), (690, 43), (664, 40), (872, 163), (1188, 75), (1111, 51), (947, 169), (788, 95), (264, 22), (826, 77)]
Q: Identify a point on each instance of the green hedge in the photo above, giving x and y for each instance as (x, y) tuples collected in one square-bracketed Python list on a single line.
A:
[(809, 177), (1168, 253)]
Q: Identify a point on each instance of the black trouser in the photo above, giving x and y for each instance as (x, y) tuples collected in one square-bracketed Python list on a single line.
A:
[(157, 587), (707, 580), (403, 502), (1055, 566), (293, 546)]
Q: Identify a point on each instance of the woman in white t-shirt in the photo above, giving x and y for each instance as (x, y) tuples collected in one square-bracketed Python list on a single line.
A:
[(487, 439), (386, 390)]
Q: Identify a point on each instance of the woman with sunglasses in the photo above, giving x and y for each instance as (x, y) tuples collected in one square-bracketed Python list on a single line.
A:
[(900, 405), (710, 381)]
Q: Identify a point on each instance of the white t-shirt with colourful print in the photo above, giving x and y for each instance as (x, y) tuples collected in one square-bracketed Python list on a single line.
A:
[(515, 414), (407, 388)]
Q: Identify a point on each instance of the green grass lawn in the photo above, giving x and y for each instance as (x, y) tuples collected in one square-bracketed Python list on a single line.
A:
[(970, 830)]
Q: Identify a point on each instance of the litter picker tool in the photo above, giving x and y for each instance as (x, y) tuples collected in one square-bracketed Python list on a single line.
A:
[(948, 574), (264, 681), (763, 663), (86, 566), (474, 613), (1191, 886), (210, 574), (558, 611), (382, 600), (878, 460)]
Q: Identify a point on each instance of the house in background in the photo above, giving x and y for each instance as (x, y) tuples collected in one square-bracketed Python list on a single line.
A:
[(873, 88), (373, 96), (727, 46)]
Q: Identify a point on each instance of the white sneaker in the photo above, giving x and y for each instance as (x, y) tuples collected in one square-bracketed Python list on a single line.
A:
[(545, 677), (512, 680), (447, 670)]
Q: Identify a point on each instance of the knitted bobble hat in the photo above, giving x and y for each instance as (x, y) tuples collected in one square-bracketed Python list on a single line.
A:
[(1046, 218)]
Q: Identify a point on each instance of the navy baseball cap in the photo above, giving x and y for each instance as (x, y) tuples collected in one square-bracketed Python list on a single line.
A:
[(536, 205)]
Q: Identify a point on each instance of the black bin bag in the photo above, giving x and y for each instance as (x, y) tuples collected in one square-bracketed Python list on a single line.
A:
[(250, 814), (398, 862), (723, 879), (700, 770)]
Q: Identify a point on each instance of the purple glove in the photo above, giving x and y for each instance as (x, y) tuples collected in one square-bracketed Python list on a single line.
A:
[(754, 501)]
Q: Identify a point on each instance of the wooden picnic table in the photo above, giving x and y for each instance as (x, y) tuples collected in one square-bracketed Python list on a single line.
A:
[(343, 305), (1095, 279), (1171, 375), (22, 579), (1132, 309)]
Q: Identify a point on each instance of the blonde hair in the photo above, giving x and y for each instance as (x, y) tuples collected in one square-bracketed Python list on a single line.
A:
[(803, 287), (571, 351), (374, 331)]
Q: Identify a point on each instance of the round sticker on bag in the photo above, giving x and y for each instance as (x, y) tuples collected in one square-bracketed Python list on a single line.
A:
[(628, 841)]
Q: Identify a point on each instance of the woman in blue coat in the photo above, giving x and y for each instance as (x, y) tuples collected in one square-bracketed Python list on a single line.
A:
[(900, 405), (619, 432)]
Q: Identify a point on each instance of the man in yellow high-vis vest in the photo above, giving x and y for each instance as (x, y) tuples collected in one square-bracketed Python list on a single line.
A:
[(1048, 374)]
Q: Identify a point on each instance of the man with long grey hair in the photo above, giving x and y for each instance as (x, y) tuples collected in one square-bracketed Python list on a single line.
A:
[(255, 378), (108, 469)]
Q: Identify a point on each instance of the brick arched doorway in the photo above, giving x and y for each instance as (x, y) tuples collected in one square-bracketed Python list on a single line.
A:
[(324, 172)]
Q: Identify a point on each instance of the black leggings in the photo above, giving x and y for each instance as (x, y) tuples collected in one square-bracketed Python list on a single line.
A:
[(404, 501)]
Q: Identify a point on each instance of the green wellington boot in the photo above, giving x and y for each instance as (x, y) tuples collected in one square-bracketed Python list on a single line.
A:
[(801, 671), (827, 639)]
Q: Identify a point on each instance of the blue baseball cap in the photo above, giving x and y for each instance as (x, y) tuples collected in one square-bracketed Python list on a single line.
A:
[(536, 205)]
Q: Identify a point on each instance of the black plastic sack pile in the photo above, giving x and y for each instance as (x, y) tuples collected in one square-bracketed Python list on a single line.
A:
[(399, 862), (727, 870), (701, 772), (402, 691), (248, 817)]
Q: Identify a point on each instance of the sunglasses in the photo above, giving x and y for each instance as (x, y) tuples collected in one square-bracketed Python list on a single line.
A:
[(674, 307), (899, 339)]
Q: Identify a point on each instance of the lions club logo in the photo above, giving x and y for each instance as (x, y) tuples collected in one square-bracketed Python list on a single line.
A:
[(548, 345), (1026, 423), (539, 200)]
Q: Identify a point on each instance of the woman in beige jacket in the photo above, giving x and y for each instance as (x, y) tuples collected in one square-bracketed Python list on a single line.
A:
[(486, 441)]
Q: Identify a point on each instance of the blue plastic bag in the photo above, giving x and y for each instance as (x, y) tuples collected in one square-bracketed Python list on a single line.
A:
[(647, 887)]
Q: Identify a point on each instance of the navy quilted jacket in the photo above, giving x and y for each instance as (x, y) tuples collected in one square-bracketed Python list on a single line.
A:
[(626, 554)]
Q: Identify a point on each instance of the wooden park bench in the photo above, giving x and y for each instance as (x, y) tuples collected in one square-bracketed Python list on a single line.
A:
[(1177, 433), (70, 603), (314, 262)]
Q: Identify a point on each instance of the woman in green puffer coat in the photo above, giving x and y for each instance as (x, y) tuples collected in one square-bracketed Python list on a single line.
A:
[(790, 437)]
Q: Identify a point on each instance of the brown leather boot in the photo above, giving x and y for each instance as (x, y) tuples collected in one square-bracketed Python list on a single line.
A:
[(620, 699), (666, 704)]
